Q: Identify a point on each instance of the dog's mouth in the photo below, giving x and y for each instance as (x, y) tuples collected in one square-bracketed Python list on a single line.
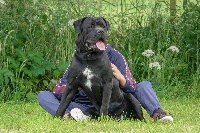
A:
[(99, 45)]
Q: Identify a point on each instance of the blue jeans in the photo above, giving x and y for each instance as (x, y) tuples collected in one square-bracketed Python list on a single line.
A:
[(144, 93), (147, 97)]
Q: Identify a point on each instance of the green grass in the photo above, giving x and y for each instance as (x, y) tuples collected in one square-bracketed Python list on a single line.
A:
[(31, 118)]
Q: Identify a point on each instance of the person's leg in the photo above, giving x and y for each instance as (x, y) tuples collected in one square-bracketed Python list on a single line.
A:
[(50, 102), (147, 97), (149, 101)]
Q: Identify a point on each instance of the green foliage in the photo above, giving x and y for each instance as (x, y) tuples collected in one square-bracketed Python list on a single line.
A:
[(157, 32), (190, 25), (37, 42), (28, 69), (29, 44), (7, 80)]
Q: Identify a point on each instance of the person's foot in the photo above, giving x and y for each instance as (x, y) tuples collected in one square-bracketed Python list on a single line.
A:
[(78, 115), (67, 115), (162, 116)]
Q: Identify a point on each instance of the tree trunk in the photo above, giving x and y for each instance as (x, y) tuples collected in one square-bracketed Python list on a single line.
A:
[(172, 8)]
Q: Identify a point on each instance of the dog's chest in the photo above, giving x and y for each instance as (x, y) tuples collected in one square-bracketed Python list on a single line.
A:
[(89, 75)]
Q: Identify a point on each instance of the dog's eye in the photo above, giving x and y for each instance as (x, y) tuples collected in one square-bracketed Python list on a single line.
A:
[(102, 25), (91, 26)]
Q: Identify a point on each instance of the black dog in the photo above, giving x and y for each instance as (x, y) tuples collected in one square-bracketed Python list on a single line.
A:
[(90, 70)]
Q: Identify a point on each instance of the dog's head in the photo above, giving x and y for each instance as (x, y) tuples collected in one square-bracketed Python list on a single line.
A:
[(92, 34)]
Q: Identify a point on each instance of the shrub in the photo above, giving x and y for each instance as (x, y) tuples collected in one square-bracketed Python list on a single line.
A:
[(37, 43)]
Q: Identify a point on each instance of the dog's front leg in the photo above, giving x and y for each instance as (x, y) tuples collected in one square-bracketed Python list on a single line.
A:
[(107, 90), (67, 97)]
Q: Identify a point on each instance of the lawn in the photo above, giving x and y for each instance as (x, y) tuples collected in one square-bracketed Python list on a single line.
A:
[(31, 118)]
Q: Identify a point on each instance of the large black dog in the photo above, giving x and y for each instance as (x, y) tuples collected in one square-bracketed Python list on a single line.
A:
[(90, 70)]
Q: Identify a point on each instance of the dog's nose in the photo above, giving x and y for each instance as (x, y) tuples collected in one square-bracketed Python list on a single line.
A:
[(100, 31)]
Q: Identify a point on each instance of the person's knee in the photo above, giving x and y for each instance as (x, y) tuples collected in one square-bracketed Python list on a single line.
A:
[(42, 96), (143, 85)]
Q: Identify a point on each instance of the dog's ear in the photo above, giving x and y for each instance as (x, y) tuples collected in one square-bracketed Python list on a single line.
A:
[(107, 24), (77, 24)]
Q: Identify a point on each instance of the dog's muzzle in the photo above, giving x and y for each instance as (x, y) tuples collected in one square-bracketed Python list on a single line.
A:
[(100, 31), (96, 40)]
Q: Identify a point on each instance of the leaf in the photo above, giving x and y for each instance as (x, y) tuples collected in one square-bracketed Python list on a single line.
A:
[(38, 71), (28, 72), (49, 65), (6, 79), (63, 65), (13, 63), (45, 83), (56, 73), (31, 96), (1, 79), (6, 72), (36, 60), (54, 81), (21, 55)]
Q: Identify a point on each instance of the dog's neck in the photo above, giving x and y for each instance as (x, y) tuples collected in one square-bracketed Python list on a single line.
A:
[(89, 55)]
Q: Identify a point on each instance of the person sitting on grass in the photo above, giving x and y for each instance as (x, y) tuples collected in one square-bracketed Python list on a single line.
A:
[(142, 91)]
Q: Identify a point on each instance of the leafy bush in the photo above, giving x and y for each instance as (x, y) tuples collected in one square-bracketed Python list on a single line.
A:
[(37, 43), (190, 25), (28, 44)]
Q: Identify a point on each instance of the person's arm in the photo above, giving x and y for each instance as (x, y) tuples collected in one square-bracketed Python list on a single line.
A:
[(121, 71), (118, 75), (126, 84)]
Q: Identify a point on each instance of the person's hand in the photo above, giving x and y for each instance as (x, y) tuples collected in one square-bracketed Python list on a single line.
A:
[(118, 75), (79, 88)]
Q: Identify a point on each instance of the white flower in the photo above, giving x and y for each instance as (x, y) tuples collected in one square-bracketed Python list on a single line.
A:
[(2, 2), (173, 49), (148, 53), (63, 29), (70, 22), (154, 65)]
